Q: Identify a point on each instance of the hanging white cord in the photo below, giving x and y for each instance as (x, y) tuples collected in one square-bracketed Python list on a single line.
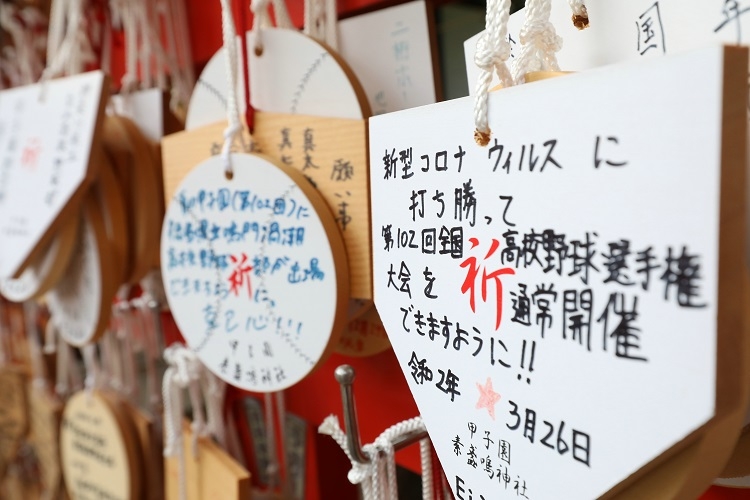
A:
[(493, 51), (262, 19), (184, 50), (321, 21), (539, 41), (155, 37), (281, 14), (92, 368), (27, 63), (184, 371), (30, 311), (62, 375), (234, 129), (214, 391), (146, 51), (127, 16), (144, 317), (125, 336), (112, 372), (425, 454), (580, 14), (378, 477), (56, 30), (74, 50)]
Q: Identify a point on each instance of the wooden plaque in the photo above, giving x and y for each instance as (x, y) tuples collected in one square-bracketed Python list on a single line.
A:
[(99, 449)]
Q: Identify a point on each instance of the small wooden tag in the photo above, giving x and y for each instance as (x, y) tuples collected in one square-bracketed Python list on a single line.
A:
[(364, 336), (212, 475)]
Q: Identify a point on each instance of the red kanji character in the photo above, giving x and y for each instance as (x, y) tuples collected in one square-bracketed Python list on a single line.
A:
[(469, 284), (240, 276)]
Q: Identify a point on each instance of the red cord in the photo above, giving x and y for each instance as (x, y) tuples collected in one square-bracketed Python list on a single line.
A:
[(240, 16)]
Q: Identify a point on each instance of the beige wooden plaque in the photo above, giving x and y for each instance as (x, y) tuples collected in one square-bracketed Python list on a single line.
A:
[(99, 450), (331, 152), (364, 336), (211, 475)]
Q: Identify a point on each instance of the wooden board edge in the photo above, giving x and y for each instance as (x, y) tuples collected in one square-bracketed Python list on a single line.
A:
[(338, 250)]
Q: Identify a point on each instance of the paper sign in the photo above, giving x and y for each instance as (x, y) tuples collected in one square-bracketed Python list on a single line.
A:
[(549, 291), (46, 135), (254, 271), (622, 31), (390, 52)]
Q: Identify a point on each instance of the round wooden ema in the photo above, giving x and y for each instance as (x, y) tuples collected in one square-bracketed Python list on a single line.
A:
[(147, 203), (293, 73), (80, 304), (46, 270), (98, 449), (114, 212), (208, 102), (138, 175), (255, 272), (364, 335), (305, 90)]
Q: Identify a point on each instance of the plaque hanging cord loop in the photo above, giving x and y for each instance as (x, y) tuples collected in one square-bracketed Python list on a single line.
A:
[(378, 476), (126, 14), (92, 368), (492, 54), (69, 49), (148, 306), (214, 390), (539, 41), (321, 21), (580, 14), (22, 63), (233, 131), (262, 19), (183, 372), (179, 52), (30, 312)]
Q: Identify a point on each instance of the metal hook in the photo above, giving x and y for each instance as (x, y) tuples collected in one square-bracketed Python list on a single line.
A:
[(345, 377)]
